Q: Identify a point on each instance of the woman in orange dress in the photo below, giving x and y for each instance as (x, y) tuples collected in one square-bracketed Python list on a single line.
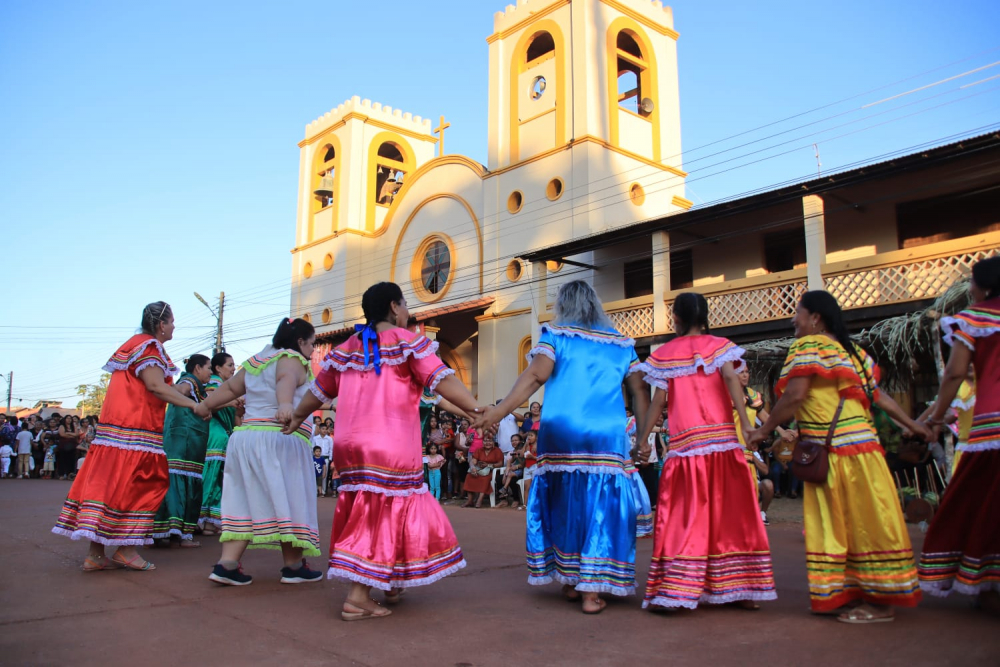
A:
[(114, 498), (482, 462)]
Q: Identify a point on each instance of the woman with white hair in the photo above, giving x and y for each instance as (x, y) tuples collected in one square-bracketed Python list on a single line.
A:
[(587, 503)]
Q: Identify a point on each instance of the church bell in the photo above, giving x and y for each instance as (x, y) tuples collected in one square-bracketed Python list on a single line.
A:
[(325, 188)]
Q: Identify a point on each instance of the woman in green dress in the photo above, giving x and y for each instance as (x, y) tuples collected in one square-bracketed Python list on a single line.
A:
[(219, 429), (185, 439)]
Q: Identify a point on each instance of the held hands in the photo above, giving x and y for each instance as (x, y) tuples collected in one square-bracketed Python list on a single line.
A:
[(202, 412), (286, 415), (926, 430), (485, 418), (755, 437)]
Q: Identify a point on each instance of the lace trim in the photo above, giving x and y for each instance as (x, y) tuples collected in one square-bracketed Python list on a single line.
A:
[(382, 490), (168, 367), (542, 350), (152, 362), (259, 362), (734, 354), (605, 337), (185, 473), (108, 542), (704, 451), (338, 573), (653, 381), (987, 446), (174, 531), (406, 351), (967, 328), (959, 404), (725, 598), (544, 468), (554, 577), (440, 376), (212, 520), (101, 442), (318, 393), (434, 399), (943, 589), (634, 368)]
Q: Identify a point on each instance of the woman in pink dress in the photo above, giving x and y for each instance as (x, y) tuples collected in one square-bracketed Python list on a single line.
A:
[(709, 543), (388, 531)]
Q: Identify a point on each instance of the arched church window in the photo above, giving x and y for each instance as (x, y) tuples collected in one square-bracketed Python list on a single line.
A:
[(522, 354), (632, 67), (323, 173), (541, 45), (389, 173)]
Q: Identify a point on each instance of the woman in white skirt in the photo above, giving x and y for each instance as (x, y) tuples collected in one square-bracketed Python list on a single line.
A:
[(268, 498)]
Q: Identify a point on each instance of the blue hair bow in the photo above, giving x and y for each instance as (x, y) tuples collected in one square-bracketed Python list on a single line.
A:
[(369, 336)]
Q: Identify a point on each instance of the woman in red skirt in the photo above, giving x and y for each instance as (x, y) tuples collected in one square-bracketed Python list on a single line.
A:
[(709, 543), (115, 496), (962, 548)]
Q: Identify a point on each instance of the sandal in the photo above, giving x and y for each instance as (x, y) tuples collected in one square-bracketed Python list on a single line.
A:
[(863, 616), (91, 564), (392, 597), (190, 544), (601, 604), (131, 564), (748, 605), (352, 612)]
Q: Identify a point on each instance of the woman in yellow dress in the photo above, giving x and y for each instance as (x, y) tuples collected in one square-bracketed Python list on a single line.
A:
[(859, 559)]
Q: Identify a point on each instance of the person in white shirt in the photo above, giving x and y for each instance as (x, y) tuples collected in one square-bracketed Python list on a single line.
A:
[(325, 444), (505, 429), (24, 439)]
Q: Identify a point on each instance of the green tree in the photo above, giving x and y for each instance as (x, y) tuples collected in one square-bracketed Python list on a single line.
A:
[(93, 395)]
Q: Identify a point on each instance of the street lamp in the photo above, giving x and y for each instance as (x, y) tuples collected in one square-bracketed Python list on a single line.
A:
[(218, 318)]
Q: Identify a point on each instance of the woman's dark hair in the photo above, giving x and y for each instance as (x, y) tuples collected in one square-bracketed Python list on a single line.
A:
[(290, 332), (195, 361), (822, 303), (691, 309), (220, 360), (67, 423), (378, 299), (153, 314), (986, 273)]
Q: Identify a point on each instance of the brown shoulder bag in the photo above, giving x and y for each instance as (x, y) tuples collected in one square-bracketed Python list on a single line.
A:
[(811, 459)]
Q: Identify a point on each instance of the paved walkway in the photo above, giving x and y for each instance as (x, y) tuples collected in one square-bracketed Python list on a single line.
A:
[(53, 614)]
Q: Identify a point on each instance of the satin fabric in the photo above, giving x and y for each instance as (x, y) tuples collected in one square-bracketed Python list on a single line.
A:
[(962, 547), (709, 545), (219, 429), (586, 503), (116, 494), (388, 531), (857, 545), (185, 441)]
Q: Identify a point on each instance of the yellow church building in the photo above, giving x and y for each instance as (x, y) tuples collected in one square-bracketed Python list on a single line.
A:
[(584, 137)]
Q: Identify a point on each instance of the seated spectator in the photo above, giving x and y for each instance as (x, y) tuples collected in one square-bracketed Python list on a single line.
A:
[(530, 458), (514, 469), (765, 488), (481, 466)]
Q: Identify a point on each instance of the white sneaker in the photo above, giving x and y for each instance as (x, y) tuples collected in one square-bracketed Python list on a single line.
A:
[(763, 517)]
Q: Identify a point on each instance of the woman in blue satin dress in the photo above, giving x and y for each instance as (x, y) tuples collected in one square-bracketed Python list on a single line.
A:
[(587, 504)]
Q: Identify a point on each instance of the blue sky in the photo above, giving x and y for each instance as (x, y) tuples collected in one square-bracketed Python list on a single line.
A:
[(148, 150)]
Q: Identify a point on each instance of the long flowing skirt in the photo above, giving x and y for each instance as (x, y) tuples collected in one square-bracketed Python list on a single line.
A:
[(582, 527), (215, 463), (857, 547), (392, 541), (962, 548), (269, 492), (185, 448), (709, 543), (115, 497)]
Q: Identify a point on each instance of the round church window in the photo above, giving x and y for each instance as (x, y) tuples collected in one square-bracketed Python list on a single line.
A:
[(431, 270), (537, 87)]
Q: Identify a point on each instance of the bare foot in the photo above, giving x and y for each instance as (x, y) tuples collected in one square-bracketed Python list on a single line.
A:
[(570, 593), (592, 604)]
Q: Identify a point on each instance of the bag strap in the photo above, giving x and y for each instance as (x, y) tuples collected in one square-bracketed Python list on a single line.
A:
[(834, 422)]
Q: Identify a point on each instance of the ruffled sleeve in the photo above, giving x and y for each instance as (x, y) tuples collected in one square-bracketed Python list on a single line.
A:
[(978, 321), (546, 346), (820, 356), (138, 353), (754, 399), (426, 367), (326, 386)]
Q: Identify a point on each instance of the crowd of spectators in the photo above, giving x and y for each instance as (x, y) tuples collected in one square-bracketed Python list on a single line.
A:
[(36, 448)]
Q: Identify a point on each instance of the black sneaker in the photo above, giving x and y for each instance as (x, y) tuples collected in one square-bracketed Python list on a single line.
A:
[(300, 575), (221, 575)]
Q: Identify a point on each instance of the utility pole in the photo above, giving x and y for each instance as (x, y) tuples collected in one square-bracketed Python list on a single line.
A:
[(10, 385), (218, 318)]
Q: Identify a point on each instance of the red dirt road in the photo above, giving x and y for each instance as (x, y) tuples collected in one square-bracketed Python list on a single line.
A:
[(53, 614)]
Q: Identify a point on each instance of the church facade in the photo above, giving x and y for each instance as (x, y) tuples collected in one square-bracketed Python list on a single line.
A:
[(583, 138)]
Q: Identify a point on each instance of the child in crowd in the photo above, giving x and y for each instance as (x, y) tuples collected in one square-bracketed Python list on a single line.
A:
[(434, 463), (513, 472), (49, 464), (6, 452), (319, 462)]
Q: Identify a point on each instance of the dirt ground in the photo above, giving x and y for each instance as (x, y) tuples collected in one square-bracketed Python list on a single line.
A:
[(51, 613)]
